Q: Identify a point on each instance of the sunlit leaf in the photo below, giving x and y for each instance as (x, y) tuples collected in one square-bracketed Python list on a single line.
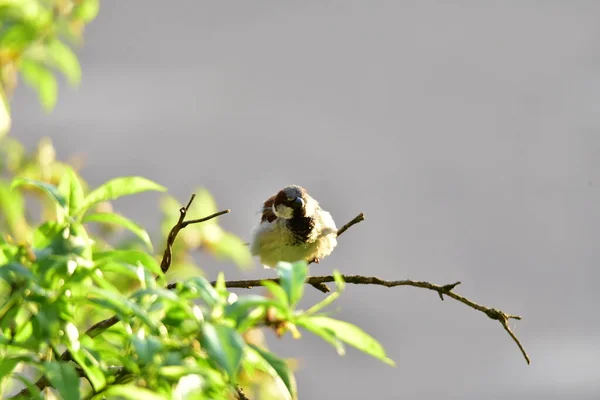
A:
[(51, 190), (17, 36), (206, 291), (339, 280), (70, 188), (242, 306), (64, 379), (325, 334), (116, 219), (90, 366), (232, 247), (12, 205), (204, 204), (133, 392), (279, 370), (170, 207), (86, 10), (277, 291), (350, 334), (46, 233), (7, 365), (40, 78), (147, 348), (34, 391), (14, 272), (292, 278), (131, 257), (5, 120), (65, 60), (119, 187), (120, 305), (224, 345)]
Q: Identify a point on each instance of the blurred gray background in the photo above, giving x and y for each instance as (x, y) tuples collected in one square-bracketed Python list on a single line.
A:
[(467, 131)]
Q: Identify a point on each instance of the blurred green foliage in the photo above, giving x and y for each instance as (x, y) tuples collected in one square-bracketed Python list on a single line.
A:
[(35, 39), (69, 260), (197, 341)]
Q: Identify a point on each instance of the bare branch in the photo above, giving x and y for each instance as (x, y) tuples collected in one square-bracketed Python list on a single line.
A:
[(447, 290), (320, 286), (197, 221), (359, 218), (181, 223)]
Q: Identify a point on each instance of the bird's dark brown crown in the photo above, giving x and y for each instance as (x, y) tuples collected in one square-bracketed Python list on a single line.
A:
[(286, 197)]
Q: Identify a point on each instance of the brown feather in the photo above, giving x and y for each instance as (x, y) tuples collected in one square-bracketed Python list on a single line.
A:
[(267, 212)]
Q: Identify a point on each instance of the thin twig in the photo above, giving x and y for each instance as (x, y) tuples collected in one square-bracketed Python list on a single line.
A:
[(197, 221), (240, 393), (165, 263), (447, 290), (360, 217)]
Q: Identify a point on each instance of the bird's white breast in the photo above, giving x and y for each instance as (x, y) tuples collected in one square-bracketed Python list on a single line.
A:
[(273, 242)]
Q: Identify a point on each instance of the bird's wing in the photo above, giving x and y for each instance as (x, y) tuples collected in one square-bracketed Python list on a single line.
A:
[(267, 210), (327, 224)]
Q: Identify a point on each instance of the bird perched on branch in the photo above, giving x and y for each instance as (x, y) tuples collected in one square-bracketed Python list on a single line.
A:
[(293, 227)]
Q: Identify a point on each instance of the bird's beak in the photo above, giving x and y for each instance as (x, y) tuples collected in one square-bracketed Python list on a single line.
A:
[(299, 202)]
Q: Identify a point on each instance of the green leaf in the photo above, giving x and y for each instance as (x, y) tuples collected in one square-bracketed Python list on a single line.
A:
[(131, 257), (14, 272), (232, 247), (204, 204), (86, 10), (63, 58), (121, 306), (224, 345), (34, 391), (245, 304), (46, 233), (206, 291), (40, 78), (339, 280), (64, 379), (12, 205), (323, 303), (50, 190), (119, 187), (7, 365), (116, 219), (350, 334), (70, 188), (90, 366), (277, 292), (5, 121), (132, 392), (292, 278), (325, 334), (147, 348), (220, 286), (18, 36), (279, 370)]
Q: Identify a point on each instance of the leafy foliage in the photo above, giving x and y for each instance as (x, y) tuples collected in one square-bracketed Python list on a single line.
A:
[(33, 44), (198, 340)]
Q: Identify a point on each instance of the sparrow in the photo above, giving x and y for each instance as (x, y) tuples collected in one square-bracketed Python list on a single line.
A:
[(293, 227)]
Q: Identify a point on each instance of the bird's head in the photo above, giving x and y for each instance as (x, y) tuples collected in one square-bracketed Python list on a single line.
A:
[(293, 201)]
